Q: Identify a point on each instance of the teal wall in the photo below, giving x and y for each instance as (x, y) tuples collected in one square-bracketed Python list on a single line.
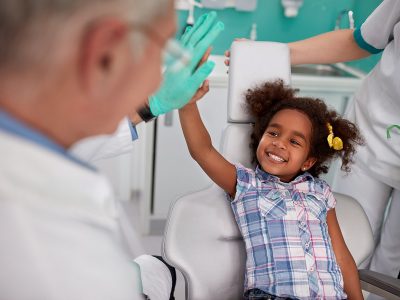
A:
[(315, 17)]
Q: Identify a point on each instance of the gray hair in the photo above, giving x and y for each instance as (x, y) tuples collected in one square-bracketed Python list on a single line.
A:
[(27, 27)]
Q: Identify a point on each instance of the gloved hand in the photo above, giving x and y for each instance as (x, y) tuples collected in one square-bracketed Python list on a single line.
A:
[(178, 87)]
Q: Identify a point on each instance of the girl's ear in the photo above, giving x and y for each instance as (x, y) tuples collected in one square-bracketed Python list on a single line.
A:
[(308, 163)]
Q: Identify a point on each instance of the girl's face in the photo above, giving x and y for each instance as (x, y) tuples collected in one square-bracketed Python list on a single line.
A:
[(283, 149)]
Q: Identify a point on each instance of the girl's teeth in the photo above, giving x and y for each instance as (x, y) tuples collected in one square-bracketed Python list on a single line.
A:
[(277, 158)]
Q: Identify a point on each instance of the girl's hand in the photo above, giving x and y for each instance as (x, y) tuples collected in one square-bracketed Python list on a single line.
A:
[(203, 90), (205, 87)]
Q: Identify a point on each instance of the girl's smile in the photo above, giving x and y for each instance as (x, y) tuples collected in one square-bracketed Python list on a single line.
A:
[(276, 157)]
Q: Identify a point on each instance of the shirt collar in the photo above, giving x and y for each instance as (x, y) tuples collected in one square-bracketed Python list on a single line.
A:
[(13, 126), (264, 176)]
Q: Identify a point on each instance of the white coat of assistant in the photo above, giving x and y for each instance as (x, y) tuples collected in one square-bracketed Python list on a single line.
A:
[(375, 176)]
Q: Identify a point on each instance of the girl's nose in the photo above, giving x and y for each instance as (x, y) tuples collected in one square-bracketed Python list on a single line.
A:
[(279, 144)]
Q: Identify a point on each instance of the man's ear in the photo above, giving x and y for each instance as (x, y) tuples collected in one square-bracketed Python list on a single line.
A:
[(308, 163), (102, 56)]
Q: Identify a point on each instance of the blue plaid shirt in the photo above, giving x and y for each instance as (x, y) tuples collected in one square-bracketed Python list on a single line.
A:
[(289, 251)]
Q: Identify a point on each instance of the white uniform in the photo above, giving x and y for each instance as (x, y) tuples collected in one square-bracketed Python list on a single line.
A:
[(375, 177), (61, 230), (106, 146), (155, 277)]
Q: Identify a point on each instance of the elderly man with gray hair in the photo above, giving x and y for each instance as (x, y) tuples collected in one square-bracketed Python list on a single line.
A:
[(72, 69)]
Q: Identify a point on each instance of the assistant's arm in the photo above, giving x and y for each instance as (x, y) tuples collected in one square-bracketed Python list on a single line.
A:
[(331, 47)]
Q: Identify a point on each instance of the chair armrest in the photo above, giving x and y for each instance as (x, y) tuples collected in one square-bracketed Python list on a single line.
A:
[(380, 284)]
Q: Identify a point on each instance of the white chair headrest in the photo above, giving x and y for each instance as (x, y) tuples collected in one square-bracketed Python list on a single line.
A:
[(235, 144), (252, 63)]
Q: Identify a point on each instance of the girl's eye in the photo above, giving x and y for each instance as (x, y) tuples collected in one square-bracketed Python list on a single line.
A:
[(294, 142), (272, 133)]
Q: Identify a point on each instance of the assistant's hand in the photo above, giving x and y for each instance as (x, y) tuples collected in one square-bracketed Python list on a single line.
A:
[(228, 52), (179, 87)]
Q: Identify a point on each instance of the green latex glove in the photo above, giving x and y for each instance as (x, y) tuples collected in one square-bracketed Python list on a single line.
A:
[(179, 87)]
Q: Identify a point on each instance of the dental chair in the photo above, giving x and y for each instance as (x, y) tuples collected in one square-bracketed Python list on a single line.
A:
[(202, 239)]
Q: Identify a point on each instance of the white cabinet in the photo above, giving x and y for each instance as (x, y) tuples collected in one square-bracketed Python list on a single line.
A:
[(335, 100)]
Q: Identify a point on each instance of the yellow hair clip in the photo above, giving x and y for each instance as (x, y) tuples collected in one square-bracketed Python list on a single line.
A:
[(334, 142)]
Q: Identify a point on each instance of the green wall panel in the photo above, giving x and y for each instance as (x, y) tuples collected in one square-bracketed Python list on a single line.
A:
[(315, 17)]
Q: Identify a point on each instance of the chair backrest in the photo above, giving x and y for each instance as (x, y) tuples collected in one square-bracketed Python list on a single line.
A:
[(201, 238)]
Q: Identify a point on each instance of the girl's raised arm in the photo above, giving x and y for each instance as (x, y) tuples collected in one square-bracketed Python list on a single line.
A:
[(198, 140)]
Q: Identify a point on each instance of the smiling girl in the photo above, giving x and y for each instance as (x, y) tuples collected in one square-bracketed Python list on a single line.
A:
[(286, 214)]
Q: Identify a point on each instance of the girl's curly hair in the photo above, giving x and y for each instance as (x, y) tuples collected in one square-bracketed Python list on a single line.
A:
[(264, 101)]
